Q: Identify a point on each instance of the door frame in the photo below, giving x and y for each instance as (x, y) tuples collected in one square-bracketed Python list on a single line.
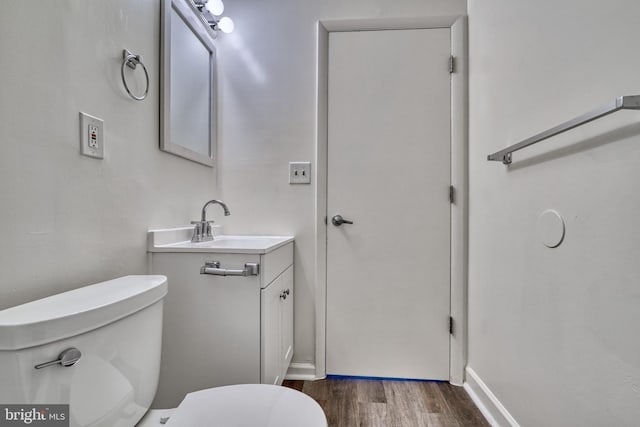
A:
[(459, 177)]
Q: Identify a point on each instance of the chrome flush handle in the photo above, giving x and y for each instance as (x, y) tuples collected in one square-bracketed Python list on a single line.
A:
[(67, 358)]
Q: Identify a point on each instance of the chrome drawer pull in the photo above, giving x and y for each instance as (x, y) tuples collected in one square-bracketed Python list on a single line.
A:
[(213, 268)]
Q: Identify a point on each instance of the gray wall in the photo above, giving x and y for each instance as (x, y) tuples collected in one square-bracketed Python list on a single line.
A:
[(553, 332), (68, 220)]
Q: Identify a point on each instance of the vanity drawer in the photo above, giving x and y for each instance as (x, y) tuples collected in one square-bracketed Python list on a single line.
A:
[(274, 263)]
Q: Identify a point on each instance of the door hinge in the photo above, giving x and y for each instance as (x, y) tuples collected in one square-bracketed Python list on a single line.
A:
[(452, 193), (452, 64), (450, 325), (325, 220)]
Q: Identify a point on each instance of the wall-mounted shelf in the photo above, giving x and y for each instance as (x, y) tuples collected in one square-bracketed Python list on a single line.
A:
[(629, 102)]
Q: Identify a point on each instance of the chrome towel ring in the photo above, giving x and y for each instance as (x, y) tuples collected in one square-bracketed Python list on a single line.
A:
[(132, 61)]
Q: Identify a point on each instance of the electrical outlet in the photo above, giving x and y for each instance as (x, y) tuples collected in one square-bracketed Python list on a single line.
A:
[(91, 136), (299, 172)]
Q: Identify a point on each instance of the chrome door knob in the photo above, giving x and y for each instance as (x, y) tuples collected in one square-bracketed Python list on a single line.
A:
[(338, 220)]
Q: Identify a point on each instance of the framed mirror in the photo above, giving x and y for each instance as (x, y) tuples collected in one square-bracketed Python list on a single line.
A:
[(188, 106)]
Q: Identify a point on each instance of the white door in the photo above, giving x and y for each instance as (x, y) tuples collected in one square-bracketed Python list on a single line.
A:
[(388, 273)]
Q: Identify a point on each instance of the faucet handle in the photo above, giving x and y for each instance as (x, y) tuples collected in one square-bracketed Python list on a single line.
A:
[(203, 223), (197, 231), (207, 228), (202, 231)]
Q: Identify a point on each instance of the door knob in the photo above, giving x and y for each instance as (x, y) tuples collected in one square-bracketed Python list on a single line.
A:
[(338, 220)]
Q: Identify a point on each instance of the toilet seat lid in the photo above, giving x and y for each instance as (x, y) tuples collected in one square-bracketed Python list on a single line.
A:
[(248, 405)]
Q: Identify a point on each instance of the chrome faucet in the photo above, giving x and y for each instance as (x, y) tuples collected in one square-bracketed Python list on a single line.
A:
[(202, 228)]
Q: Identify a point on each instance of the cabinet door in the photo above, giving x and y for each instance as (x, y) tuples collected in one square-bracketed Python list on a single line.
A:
[(271, 301), (277, 328), (286, 319), (211, 325)]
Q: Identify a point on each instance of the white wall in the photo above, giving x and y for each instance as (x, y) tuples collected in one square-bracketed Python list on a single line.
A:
[(67, 220), (268, 77), (554, 332)]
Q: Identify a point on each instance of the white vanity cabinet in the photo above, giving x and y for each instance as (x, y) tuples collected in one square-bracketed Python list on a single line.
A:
[(277, 328), (220, 330)]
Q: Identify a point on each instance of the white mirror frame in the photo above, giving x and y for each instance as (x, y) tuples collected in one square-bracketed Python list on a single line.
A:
[(189, 14)]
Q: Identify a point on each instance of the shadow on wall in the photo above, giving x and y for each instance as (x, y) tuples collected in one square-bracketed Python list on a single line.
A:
[(579, 146)]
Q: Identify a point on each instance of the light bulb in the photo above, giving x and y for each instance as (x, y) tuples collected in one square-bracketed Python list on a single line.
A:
[(226, 25), (216, 7)]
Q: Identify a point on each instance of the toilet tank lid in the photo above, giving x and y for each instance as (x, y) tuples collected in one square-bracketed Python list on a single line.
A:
[(78, 311)]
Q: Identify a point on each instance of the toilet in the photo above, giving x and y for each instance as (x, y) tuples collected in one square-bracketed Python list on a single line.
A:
[(97, 348)]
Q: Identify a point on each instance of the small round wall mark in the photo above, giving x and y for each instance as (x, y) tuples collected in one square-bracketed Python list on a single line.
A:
[(550, 228)]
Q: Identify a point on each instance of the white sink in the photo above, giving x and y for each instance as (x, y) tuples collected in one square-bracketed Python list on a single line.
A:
[(179, 240)]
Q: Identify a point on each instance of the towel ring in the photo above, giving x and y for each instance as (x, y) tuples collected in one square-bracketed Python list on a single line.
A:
[(132, 61)]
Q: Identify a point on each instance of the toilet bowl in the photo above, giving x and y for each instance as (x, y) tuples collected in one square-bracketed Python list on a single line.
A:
[(242, 405), (97, 349)]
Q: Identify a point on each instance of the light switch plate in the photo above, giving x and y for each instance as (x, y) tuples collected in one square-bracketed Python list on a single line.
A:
[(299, 172), (91, 136)]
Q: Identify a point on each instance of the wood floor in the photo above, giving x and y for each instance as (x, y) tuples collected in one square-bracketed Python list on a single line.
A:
[(391, 403)]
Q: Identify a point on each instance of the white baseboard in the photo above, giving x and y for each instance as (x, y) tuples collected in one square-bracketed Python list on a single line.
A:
[(495, 413), (301, 371)]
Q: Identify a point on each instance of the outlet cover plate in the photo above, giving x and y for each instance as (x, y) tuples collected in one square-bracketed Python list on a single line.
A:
[(299, 172), (91, 136)]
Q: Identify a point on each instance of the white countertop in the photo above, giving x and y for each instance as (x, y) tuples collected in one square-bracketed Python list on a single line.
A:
[(178, 240)]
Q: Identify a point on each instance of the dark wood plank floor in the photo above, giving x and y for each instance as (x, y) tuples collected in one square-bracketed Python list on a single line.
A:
[(390, 403)]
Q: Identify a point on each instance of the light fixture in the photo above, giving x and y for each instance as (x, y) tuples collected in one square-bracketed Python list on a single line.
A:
[(226, 25), (216, 7), (210, 11)]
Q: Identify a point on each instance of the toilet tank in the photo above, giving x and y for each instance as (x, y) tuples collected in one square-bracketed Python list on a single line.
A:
[(116, 325)]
